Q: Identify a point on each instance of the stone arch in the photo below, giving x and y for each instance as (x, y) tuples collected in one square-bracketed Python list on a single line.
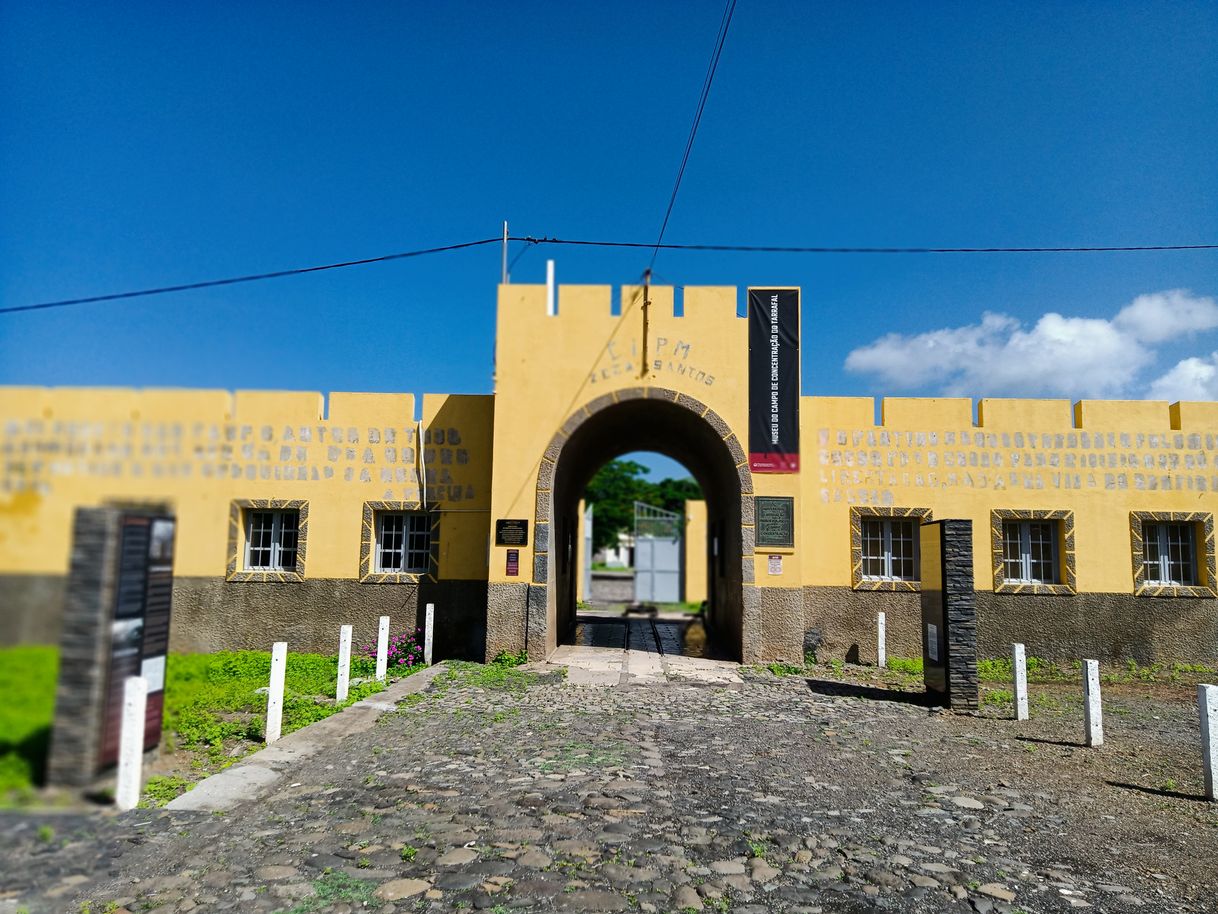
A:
[(682, 427)]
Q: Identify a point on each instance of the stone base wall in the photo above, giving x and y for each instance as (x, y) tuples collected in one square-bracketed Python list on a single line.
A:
[(31, 608), (1112, 628), (1109, 627), (210, 614), (782, 628)]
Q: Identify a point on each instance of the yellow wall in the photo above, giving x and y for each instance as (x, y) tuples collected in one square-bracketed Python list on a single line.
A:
[(197, 450), (548, 367), (695, 551), (927, 453)]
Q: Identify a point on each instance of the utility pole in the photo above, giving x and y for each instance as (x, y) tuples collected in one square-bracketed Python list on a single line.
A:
[(646, 316), (504, 276)]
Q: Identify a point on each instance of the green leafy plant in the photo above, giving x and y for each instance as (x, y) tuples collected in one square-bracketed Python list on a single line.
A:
[(160, 789), (785, 669), (509, 659), (408, 852)]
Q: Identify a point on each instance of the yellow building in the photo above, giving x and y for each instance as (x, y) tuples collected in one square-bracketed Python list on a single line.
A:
[(1092, 523)]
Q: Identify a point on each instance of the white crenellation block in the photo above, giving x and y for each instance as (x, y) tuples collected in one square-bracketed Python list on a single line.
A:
[(881, 629), (1092, 707), (429, 632), (1207, 705), (382, 647), (344, 663), (131, 743), (1019, 671), (274, 698)]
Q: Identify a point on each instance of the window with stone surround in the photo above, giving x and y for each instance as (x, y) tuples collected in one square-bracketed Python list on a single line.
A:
[(1173, 553), (400, 543), (1033, 551), (267, 539), (884, 547)]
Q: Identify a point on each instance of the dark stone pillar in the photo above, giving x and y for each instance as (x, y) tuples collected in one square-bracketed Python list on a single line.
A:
[(84, 648), (949, 613)]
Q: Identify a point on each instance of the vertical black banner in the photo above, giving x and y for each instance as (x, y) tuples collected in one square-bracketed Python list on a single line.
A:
[(774, 380)]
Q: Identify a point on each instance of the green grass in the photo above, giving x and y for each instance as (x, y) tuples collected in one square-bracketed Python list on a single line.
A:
[(333, 888), (27, 684), (212, 709)]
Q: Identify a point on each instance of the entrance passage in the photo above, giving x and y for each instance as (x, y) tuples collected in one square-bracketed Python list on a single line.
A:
[(689, 434), (670, 634)]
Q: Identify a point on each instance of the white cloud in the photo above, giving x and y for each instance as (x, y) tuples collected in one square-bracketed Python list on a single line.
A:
[(1162, 316), (1190, 379), (1058, 356)]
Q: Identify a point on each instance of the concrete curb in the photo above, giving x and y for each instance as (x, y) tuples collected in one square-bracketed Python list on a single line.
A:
[(257, 774)]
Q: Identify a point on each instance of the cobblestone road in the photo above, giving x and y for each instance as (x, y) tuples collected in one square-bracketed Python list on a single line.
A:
[(502, 790)]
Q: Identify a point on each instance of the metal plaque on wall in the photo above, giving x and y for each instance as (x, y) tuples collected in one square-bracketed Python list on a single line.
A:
[(511, 532), (775, 520)]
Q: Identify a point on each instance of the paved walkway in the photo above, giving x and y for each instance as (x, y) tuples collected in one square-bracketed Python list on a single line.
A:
[(636, 651), (504, 790)]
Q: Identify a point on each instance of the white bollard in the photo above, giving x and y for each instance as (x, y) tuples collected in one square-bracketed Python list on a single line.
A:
[(344, 663), (1092, 707), (430, 623), (382, 647), (131, 743), (1207, 705), (882, 640), (274, 698), (1019, 669)]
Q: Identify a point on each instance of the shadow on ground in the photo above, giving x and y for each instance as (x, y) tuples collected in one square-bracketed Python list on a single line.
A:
[(870, 693)]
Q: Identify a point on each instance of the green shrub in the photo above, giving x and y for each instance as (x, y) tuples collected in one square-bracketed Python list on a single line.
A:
[(909, 665)]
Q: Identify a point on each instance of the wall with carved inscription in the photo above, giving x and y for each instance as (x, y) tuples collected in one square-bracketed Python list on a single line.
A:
[(1098, 460), (199, 450)]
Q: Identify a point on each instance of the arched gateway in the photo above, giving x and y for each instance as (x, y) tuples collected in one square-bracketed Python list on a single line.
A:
[(680, 427), (577, 386)]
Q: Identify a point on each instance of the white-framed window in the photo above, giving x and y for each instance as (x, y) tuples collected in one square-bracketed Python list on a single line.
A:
[(1029, 552), (403, 542), (1169, 553), (890, 549), (270, 539)]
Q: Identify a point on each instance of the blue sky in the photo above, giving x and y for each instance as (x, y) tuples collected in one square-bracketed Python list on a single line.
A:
[(144, 144)]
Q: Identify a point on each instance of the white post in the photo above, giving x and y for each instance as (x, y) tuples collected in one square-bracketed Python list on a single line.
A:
[(1019, 669), (430, 623), (274, 698), (344, 663), (882, 640), (1207, 704), (551, 290), (382, 647), (1091, 703), (131, 743)]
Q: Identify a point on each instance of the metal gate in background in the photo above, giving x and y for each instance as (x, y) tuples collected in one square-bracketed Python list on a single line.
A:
[(657, 554)]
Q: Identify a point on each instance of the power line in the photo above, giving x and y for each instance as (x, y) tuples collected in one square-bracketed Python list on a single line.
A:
[(724, 24), (254, 277), (777, 249), (531, 240)]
